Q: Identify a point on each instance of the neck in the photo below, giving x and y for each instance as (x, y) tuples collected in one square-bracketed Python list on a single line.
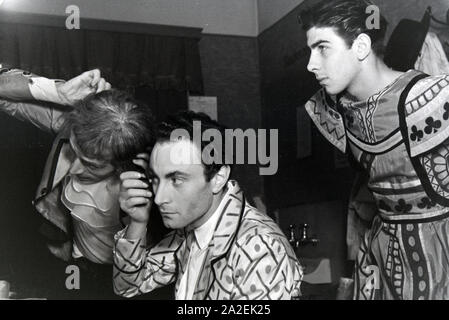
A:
[(374, 75)]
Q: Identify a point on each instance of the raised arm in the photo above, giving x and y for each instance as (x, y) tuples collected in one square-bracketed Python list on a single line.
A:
[(18, 88), (136, 269)]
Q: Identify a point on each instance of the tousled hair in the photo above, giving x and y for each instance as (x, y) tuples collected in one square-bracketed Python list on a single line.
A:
[(111, 126)]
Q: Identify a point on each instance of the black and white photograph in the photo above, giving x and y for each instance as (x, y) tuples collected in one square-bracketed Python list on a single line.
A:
[(224, 150)]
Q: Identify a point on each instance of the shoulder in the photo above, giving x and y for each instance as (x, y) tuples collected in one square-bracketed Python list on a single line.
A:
[(322, 110), (258, 232), (425, 91), (427, 114)]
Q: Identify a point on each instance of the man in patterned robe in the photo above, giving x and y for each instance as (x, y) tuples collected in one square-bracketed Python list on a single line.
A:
[(221, 247), (396, 126)]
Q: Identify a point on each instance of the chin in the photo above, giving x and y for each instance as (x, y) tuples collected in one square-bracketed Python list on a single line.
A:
[(332, 91), (171, 224)]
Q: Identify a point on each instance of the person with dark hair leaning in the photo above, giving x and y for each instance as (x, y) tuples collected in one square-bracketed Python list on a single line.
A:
[(220, 247), (396, 125), (98, 134)]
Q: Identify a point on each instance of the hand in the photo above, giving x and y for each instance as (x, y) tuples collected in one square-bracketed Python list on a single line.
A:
[(135, 197), (81, 86), (143, 161)]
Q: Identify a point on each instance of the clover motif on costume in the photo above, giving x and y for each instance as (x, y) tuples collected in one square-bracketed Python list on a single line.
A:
[(416, 135), (426, 203), (446, 111), (432, 125), (403, 207)]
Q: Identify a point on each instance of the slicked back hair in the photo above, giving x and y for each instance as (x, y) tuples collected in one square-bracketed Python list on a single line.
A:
[(184, 120), (348, 18)]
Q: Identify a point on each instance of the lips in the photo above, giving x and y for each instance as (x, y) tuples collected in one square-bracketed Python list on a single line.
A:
[(321, 79), (167, 212)]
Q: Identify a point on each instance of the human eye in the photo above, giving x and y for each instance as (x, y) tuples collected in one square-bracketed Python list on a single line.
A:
[(93, 166), (322, 48), (177, 181)]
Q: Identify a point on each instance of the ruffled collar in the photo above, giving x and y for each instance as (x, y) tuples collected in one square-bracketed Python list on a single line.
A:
[(83, 200)]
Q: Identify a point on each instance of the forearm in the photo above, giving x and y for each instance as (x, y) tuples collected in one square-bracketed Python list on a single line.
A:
[(44, 89), (41, 115), (20, 85)]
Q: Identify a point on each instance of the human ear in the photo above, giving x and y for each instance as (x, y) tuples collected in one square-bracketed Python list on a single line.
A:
[(220, 179), (362, 46)]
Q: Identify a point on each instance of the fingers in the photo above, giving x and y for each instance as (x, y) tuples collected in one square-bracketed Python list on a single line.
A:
[(95, 76), (126, 194), (134, 193), (130, 175), (131, 205), (134, 183), (96, 81), (141, 163), (143, 155), (142, 160), (103, 85)]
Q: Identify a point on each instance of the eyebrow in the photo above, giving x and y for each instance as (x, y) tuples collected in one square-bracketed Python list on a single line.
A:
[(169, 175), (319, 42), (175, 173)]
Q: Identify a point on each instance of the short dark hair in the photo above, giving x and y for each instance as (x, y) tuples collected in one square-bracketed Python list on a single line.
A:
[(348, 18), (111, 126), (185, 120)]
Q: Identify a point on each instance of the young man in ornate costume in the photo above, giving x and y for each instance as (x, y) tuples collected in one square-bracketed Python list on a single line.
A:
[(396, 126)]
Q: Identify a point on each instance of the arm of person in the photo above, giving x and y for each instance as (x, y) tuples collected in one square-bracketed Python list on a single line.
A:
[(138, 270), (265, 269), (43, 116), (21, 85)]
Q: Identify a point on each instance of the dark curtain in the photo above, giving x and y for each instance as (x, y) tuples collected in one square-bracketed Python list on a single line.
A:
[(125, 59), (159, 70)]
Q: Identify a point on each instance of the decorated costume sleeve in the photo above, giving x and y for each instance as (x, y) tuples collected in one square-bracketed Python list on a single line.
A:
[(424, 122), (138, 270), (265, 269)]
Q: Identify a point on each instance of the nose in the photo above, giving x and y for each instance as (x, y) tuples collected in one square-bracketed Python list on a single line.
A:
[(77, 167), (161, 194), (312, 66)]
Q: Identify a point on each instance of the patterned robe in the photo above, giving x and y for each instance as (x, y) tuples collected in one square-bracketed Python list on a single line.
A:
[(399, 135), (248, 258)]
